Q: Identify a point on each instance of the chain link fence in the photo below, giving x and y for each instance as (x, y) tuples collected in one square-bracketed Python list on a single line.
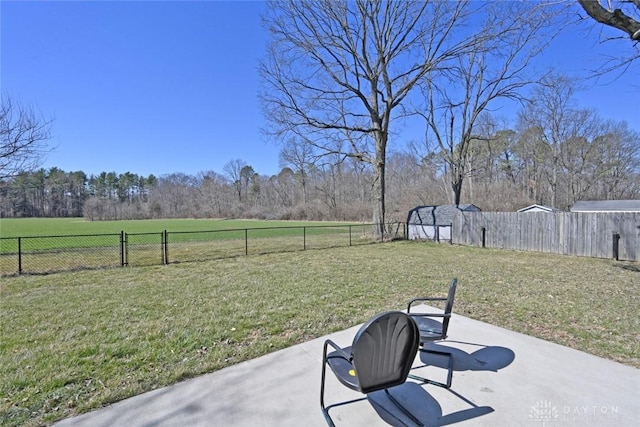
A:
[(49, 254), (46, 254)]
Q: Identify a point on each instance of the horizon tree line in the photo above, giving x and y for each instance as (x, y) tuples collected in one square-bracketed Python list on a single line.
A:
[(555, 154)]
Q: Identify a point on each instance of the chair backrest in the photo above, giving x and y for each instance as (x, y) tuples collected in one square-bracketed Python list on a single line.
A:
[(449, 306), (384, 349)]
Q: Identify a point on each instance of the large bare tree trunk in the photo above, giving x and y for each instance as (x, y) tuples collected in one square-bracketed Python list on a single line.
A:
[(378, 186)]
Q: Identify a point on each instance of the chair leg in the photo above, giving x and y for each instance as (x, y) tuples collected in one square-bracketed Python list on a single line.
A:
[(325, 411), (449, 370)]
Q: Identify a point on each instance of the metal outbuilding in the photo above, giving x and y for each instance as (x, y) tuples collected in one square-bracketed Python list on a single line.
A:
[(434, 222), (537, 208), (605, 206)]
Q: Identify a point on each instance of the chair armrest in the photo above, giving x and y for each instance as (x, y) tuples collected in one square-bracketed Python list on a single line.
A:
[(430, 314), (337, 348), (421, 299)]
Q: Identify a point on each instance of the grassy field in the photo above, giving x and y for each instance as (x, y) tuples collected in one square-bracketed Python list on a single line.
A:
[(24, 227), (72, 342)]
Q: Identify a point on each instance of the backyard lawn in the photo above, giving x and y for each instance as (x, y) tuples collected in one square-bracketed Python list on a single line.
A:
[(75, 341)]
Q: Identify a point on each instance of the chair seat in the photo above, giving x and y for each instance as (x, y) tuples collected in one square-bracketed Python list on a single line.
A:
[(430, 329), (343, 369)]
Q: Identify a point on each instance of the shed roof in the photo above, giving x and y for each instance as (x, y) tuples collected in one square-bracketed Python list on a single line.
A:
[(537, 208), (437, 214), (606, 206)]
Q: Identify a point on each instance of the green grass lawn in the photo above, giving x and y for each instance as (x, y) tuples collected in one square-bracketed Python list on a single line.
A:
[(24, 227), (75, 341)]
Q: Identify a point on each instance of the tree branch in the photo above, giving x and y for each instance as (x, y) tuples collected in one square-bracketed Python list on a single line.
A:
[(615, 18)]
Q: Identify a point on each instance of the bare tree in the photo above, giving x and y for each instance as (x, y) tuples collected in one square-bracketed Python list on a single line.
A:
[(233, 171), (175, 195), (549, 121), (283, 185), (23, 138), (617, 171), (499, 68), (578, 154), (300, 157), (212, 194), (622, 15), (338, 73)]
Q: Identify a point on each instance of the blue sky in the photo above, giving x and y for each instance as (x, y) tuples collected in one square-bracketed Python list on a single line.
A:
[(155, 87)]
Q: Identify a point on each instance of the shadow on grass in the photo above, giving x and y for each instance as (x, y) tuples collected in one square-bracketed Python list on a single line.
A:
[(629, 267)]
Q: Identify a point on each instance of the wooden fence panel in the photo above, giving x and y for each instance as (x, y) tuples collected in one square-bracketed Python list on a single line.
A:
[(629, 225), (567, 233)]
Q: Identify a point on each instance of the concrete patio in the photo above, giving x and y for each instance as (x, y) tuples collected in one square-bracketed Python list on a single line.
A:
[(501, 378)]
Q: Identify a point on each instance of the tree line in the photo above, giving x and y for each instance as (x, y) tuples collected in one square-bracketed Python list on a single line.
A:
[(57, 193), (553, 154)]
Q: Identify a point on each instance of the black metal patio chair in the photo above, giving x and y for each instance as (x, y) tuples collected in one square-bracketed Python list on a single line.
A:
[(380, 357), (434, 327)]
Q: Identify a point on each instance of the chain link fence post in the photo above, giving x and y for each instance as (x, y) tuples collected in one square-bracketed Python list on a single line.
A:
[(123, 258), (165, 247), (19, 255)]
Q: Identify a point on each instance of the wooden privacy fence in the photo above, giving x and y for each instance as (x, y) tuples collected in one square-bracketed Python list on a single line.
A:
[(598, 235)]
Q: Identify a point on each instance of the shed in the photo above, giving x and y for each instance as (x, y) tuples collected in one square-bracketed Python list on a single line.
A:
[(434, 222), (537, 208), (606, 206)]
